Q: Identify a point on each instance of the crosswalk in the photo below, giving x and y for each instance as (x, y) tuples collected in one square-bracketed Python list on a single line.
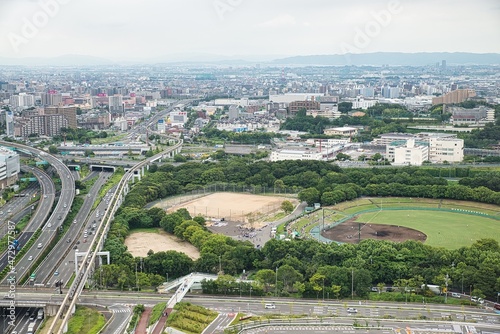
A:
[(120, 308)]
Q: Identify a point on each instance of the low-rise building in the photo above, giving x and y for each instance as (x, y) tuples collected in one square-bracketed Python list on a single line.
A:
[(475, 116), (344, 131), (410, 153), (301, 154), (446, 149), (9, 167)]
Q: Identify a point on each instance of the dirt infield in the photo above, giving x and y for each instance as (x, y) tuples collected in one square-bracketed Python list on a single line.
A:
[(348, 232), (139, 244), (233, 207)]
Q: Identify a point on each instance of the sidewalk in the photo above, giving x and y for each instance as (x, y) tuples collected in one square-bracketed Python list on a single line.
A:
[(142, 326), (160, 325)]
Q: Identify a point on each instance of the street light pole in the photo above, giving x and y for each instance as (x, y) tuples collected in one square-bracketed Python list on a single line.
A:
[(220, 265), (276, 283), (446, 292), (323, 289)]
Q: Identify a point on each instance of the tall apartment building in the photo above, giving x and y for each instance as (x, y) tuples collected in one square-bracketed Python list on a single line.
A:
[(22, 100), (116, 105), (9, 167), (455, 96), (69, 113), (41, 125), (9, 123), (51, 99)]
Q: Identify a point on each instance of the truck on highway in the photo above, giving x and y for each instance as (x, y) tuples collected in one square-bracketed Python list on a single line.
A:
[(31, 328), (39, 315)]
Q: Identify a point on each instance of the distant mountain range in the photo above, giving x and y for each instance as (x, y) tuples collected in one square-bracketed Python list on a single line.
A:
[(396, 58), (375, 59)]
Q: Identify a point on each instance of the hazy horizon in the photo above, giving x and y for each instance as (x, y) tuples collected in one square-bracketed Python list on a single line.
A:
[(130, 31)]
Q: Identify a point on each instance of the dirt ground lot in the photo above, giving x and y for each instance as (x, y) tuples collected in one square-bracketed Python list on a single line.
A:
[(348, 232), (139, 244), (233, 207)]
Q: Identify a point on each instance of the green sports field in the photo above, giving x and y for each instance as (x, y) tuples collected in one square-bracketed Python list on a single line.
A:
[(443, 229)]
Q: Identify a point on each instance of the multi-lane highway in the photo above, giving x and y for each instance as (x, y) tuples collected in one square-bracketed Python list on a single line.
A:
[(383, 313), (59, 213), (58, 264), (40, 215), (85, 269)]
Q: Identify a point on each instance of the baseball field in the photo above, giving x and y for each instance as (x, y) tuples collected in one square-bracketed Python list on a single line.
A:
[(451, 224)]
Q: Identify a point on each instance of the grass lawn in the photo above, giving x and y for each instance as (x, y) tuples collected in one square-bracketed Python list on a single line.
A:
[(86, 321), (443, 229)]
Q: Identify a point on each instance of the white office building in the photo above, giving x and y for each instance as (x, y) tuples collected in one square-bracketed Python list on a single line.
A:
[(301, 154), (410, 153), (446, 149), (9, 167)]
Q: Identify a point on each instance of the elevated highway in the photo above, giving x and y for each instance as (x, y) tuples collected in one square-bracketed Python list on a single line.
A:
[(59, 213), (67, 307)]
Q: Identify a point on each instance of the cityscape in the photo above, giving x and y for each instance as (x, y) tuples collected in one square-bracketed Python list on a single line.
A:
[(217, 168)]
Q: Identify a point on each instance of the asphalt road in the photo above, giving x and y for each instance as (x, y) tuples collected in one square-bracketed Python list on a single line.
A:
[(119, 320), (66, 196), (383, 313), (39, 216), (21, 322), (84, 222), (54, 261)]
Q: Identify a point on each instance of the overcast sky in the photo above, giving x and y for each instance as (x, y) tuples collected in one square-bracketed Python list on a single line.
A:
[(133, 29)]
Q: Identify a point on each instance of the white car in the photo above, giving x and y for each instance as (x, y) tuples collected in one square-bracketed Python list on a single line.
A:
[(270, 306), (30, 258), (351, 310)]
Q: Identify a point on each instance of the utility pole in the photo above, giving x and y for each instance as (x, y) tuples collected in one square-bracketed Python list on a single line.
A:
[(359, 233), (352, 284), (276, 283), (220, 265), (323, 219)]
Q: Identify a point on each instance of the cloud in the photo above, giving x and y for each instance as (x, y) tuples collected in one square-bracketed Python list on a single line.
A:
[(283, 20)]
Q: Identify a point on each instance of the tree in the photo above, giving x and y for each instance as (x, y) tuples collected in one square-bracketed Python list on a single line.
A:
[(288, 275), (336, 290), (266, 277), (287, 206), (299, 287), (53, 149), (180, 158), (309, 195), (380, 287), (317, 281), (343, 157)]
